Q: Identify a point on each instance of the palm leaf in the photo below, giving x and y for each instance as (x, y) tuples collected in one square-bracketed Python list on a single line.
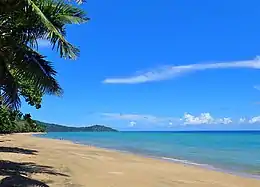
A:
[(54, 35), (37, 70), (79, 1), (22, 23), (68, 14), (9, 88)]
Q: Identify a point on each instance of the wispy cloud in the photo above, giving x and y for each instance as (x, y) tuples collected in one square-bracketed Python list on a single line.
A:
[(132, 124), (255, 119), (169, 72), (204, 118), (186, 119), (257, 87), (242, 120), (140, 118)]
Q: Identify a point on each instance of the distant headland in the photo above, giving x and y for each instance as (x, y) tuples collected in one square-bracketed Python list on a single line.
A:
[(50, 127)]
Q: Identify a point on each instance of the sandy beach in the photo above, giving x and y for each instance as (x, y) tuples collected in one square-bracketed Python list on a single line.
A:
[(28, 161)]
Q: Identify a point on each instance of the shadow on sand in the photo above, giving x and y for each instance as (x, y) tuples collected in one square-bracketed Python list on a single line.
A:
[(17, 174), (4, 141), (17, 150)]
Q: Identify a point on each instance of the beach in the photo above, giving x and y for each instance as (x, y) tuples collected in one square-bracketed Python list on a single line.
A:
[(30, 160)]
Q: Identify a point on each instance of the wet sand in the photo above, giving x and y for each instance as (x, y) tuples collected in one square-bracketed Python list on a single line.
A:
[(29, 160)]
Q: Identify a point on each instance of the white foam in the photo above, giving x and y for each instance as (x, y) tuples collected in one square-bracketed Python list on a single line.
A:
[(183, 161)]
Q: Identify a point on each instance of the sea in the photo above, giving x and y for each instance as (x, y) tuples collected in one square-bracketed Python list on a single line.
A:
[(229, 151)]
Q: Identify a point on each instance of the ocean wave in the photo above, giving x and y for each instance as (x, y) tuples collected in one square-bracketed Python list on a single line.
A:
[(185, 162)]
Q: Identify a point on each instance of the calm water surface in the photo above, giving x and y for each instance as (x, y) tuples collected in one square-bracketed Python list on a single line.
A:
[(230, 151)]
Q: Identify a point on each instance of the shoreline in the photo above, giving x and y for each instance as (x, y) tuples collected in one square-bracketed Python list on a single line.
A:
[(84, 165), (162, 158)]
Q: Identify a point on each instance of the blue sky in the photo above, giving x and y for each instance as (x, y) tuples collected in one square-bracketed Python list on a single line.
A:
[(160, 65)]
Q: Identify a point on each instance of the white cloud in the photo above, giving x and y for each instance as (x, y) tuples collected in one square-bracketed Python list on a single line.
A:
[(255, 119), (132, 124), (187, 119), (168, 72), (242, 120), (225, 121), (204, 118)]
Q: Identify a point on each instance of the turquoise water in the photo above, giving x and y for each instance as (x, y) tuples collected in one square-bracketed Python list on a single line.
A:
[(229, 151)]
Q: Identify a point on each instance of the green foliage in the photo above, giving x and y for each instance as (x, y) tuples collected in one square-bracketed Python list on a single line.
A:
[(61, 128), (7, 120), (32, 95), (12, 121), (23, 71)]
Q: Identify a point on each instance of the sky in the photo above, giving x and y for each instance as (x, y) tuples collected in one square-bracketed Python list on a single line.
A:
[(160, 65)]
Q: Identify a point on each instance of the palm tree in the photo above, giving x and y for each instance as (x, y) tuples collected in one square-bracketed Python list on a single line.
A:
[(22, 24)]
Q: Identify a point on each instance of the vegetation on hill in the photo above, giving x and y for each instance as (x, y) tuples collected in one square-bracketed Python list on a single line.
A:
[(14, 121), (24, 72), (60, 128)]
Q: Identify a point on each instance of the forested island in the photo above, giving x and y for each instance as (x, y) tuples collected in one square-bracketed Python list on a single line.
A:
[(16, 122), (26, 124), (61, 128)]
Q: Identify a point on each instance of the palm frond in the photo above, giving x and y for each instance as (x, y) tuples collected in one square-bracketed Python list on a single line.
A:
[(54, 35), (43, 19), (37, 70), (9, 93), (79, 2), (9, 88), (68, 14), (22, 24)]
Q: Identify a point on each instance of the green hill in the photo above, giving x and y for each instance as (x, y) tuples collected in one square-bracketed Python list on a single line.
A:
[(61, 128)]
